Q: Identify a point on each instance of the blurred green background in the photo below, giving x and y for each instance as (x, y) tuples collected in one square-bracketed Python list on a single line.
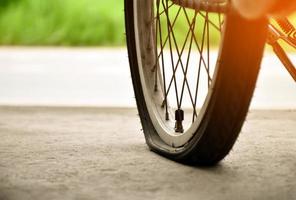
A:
[(72, 23), (62, 22)]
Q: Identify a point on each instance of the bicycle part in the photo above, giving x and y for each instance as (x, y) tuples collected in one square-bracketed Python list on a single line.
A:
[(162, 63), (289, 30), (288, 36), (217, 6), (286, 26), (278, 50)]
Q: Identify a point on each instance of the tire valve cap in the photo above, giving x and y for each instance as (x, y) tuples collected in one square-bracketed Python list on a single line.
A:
[(179, 117)]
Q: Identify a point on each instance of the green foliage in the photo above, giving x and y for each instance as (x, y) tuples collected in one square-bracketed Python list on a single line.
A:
[(77, 23), (61, 22), (4, 3), (72, 23)]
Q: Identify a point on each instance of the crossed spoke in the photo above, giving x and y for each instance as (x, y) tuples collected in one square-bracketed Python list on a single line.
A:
[(181, 64), (179, 61), (199, 66), (171, 32), (162, 12), (206, 17), (199, 49), (167, 37), (188, 57), (176, 51)]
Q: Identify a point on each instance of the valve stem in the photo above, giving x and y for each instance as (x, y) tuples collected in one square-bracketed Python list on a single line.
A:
[(179, 117)]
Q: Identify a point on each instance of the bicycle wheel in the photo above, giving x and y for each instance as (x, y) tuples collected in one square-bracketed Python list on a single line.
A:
[(191, 98)]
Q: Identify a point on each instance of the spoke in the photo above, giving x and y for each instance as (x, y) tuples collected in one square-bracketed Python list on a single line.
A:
[(181, 63), (165, 40), (179, 58), (167, 37), (188, 57), (162, 12), (163, 68), (198, 47), (199, 68), (155, 50), (170, 31), (206, 17), (208, 51), (220, 22)]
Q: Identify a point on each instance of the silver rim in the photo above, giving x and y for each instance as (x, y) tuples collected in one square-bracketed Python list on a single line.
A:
[(177, 70)]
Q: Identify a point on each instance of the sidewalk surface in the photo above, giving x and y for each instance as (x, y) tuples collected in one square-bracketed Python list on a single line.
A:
[(92, 153), (101, 77)]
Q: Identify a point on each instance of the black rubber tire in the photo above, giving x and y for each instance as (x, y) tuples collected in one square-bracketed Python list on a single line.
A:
[(240, 58)]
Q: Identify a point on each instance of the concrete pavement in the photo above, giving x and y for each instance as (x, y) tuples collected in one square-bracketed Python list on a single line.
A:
[(100, 153)]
